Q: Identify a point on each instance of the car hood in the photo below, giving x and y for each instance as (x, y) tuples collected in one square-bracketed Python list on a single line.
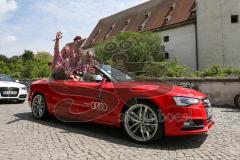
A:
[(11, 84), (186, 92), (155, 89)]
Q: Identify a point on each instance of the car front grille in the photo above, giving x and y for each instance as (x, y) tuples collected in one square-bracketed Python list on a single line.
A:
[(208, 109), (9, 91)]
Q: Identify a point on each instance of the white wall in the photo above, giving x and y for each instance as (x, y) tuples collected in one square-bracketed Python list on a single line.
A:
[(181, 45), (218, 38)]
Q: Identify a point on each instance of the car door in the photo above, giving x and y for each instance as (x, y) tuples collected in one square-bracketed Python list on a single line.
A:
[(80, 101)]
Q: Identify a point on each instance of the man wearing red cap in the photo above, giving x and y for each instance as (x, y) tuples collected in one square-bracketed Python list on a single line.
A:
[(75, 55), (77, 43)]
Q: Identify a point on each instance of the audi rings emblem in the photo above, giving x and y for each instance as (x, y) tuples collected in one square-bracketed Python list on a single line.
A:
[(99, 106)]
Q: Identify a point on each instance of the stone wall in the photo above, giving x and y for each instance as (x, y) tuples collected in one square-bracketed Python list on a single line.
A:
[(221, 91)]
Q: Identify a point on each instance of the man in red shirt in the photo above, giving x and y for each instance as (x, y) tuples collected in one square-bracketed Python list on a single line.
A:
[(61, 61)]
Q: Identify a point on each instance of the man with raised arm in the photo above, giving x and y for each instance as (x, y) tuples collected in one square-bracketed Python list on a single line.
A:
[(61, 63)]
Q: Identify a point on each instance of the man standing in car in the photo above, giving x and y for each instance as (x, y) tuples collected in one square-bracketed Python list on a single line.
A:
[(63, 62)]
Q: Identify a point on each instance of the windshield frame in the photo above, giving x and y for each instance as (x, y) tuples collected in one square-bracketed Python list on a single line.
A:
[(110, 77)]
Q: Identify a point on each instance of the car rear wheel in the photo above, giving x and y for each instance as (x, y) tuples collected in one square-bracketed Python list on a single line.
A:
[(39, 107), (142, 123)]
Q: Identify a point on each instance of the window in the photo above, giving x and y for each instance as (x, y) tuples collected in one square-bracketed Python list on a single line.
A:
[(166, 56), (172, 7), (169, 14), (141, 27), (234, 18), (126, 25), (110, 31), (167, 19), (193, 13), (166, 39), (94, 38)]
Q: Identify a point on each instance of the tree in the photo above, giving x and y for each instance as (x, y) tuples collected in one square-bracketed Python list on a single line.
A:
[(15, 66), (41, 68), (4, 68), (27, 55), (4, 58), (138, 47)]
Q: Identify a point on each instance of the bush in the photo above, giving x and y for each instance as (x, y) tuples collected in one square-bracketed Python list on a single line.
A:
[(165, 69), (138, 47), (218, 71)]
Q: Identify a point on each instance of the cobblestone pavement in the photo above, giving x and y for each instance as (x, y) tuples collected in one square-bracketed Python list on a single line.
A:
[(22, 137)]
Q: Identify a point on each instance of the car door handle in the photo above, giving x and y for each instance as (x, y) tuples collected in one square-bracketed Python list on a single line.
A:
[(100, 97)]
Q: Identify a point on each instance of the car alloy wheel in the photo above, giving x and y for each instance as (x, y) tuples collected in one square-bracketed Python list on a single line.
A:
[(39, 107), (141, 123)]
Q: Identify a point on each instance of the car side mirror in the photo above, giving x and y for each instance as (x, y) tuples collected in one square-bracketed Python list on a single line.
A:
[(17, 81), (98, 78)]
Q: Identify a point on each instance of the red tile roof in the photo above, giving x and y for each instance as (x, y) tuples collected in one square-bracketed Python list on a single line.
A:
[(178, 11)]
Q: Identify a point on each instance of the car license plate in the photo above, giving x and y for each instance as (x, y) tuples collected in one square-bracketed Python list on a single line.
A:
[(9, 92)]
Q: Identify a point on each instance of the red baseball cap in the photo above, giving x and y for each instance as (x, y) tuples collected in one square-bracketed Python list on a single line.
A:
[(50, 63), (77, 38)]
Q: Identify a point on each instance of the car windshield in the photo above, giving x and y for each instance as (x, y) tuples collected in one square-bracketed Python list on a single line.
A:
[(116, 74), (6, 78)]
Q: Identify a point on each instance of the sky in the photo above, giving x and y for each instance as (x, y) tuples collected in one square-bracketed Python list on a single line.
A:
[(32, 24)]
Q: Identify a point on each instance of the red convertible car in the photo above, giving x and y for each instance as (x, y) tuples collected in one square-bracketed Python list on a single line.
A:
[(145, 111)]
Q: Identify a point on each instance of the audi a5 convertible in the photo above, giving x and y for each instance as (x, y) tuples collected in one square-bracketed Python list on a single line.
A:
[(145, 111)]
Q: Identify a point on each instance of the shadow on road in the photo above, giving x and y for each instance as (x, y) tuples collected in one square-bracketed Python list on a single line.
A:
[(232, 109), (115, 135), (10, 102)]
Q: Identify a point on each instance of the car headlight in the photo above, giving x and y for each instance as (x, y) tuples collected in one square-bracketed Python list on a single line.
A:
[(23, 88), (185, 101)]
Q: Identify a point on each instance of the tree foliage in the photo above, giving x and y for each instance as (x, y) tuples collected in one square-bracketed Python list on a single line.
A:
[(26, 66), (27, 56), (3, 67), (138, 47), (165, 69)]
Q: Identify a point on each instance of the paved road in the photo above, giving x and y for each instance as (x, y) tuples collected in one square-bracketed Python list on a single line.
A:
[(22, 137)]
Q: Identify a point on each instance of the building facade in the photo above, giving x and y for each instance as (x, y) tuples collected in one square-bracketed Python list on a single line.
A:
[(197, 33), (218, 32)]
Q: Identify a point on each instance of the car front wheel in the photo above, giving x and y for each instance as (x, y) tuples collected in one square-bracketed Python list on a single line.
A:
[(142, 123), (39, 107)]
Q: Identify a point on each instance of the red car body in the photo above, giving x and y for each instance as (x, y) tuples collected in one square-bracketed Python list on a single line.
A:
[(103, 102)]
